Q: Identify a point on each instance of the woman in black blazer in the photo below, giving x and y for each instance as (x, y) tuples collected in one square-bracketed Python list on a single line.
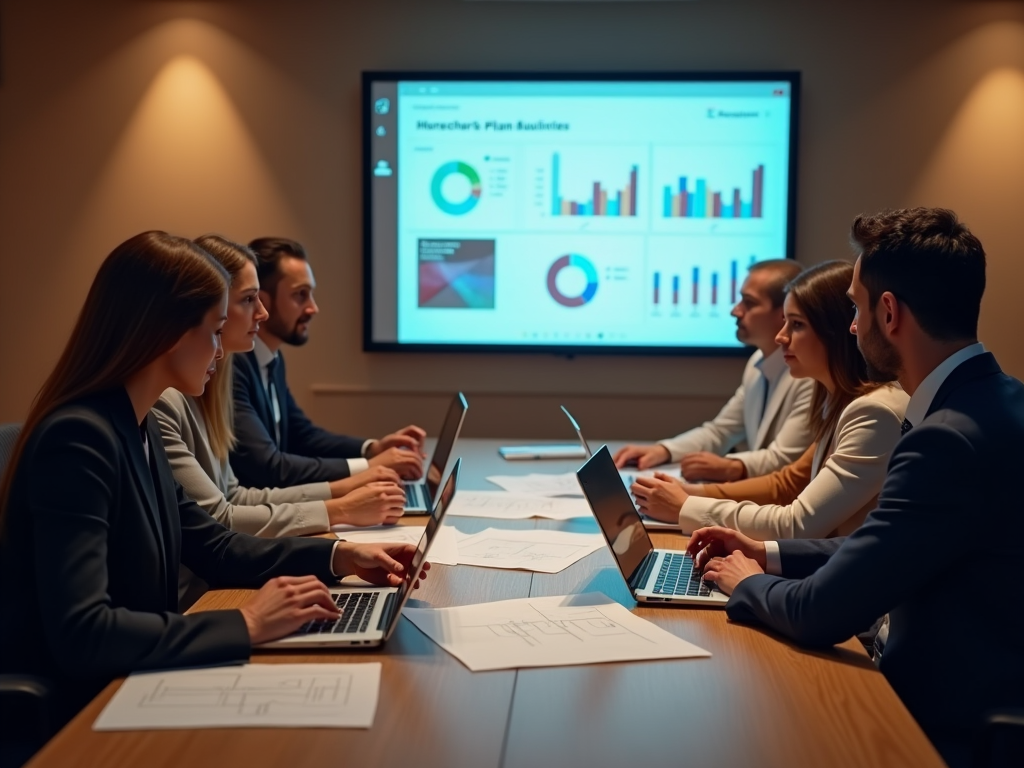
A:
[(92, 525)]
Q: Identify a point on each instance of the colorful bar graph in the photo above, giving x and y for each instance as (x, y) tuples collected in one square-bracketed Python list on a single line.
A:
[(622, 202), (714, 289), (696, 285), (732, 282), (675, 290), (657, 287), (706, 203)]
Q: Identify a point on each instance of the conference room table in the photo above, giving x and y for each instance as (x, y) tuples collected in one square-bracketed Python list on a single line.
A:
[(758, 701)]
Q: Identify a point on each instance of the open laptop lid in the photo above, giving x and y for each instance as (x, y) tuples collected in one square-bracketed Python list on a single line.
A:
[(583, 441), (445, 443), (613, 507), (429, 534)]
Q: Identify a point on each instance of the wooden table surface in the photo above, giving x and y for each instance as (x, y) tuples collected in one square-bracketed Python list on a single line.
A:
[(759, 701)]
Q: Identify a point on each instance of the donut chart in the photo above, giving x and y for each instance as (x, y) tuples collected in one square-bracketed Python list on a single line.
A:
[(580, 262), (459, 207)]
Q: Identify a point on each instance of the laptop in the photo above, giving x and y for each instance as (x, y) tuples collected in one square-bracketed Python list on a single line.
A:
[(369, 615), (420, 495), (653, 575), (627, 478)]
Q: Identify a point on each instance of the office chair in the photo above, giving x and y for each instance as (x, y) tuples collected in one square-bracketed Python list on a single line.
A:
[(22, 697)]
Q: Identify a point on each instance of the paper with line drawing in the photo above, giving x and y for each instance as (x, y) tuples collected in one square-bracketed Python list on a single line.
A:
[(516, 506), (533, 550), (547, 632), (246, 696)]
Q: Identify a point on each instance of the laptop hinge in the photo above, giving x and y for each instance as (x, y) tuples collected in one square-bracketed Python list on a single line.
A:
[(387, 611), (639, 577)]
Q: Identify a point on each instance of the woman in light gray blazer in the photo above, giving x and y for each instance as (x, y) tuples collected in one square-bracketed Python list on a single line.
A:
[(197, 436)]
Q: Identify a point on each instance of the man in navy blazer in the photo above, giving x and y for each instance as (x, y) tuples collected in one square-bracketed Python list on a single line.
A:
[(277, 444), (943, 551)]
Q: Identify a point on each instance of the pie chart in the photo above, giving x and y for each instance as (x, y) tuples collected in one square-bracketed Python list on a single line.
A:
[(472, 197), (572, 261)]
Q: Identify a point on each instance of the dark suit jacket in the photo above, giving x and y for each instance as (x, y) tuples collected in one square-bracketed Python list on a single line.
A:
[(305, 454), (90, 554), (943, 554)]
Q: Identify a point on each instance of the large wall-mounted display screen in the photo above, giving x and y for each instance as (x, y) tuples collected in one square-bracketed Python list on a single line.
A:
[(571, 213)]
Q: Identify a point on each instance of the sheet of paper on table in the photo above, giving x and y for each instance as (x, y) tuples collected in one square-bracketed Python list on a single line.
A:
[(547, 632), (536, 484), (532, 550), (246, 696), (503, 505), (444, 550)]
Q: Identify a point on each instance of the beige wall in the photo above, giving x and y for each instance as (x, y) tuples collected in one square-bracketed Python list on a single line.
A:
[(243, 118)]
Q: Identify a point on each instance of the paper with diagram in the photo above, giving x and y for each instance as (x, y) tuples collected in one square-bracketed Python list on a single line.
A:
[(536, 484), (516, 506), (532, 550), (443, 551), (246, 696), (547, 632)]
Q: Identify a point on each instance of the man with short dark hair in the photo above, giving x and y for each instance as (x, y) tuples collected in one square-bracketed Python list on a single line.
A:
[(917, 286), (769, 409), (277, 445)]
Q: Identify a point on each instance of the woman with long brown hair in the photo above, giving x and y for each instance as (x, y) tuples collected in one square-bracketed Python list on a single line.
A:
[(92, 525), (198, 436), (855, 422)]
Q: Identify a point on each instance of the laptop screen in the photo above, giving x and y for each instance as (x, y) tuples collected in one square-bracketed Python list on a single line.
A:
[(422, 549), (613, 507), (445, 442), (579, 433)]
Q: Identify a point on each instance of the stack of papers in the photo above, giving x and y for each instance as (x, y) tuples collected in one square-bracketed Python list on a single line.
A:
[(547, 632), (246, 696), (536, 484)]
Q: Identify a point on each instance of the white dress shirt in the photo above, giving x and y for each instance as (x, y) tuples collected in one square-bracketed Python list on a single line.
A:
[(917, 408), (769, 411), (263, 357)]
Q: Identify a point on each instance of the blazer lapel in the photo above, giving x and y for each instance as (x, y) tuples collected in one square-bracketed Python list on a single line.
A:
[(124, 422), (167, 502), (281, 388), (261, 399)]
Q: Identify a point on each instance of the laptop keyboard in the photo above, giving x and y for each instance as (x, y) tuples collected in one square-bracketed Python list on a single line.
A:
[(414, 496), (356, 609), (677, 577)]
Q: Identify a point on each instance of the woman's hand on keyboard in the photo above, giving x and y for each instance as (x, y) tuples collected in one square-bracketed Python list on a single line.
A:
[(660, 497), (373, 475), (373, 504), (284, 604), (385, 564)]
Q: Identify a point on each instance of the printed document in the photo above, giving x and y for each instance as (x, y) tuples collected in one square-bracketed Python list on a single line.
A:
[(516, 506), (532, 550), (547, 632), (246, 696)]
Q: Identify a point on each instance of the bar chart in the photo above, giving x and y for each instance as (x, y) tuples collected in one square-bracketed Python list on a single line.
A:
[(704, 202), (707, 287), (602, 202)]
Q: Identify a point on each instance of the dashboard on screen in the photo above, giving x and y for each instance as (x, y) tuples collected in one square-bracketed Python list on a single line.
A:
[(571, 213)]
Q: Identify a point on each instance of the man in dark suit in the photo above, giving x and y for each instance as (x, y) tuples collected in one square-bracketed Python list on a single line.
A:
[(277, 445), (955, 646)]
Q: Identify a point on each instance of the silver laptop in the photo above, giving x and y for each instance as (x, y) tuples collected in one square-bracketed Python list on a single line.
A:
[(369, 615), (421, 494), (627, 478), (653, 575)]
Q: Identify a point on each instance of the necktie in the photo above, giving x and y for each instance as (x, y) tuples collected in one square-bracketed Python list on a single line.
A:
[(764, 401), (907, 426)]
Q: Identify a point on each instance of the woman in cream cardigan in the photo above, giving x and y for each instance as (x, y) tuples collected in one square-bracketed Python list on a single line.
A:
[(197, 437), (856, 423)]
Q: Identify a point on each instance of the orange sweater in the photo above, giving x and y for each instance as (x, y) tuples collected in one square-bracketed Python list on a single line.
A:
[(780, 487)]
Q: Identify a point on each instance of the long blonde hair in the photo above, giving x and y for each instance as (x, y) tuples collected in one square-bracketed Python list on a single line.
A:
[(217, 403), (147, 294)]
